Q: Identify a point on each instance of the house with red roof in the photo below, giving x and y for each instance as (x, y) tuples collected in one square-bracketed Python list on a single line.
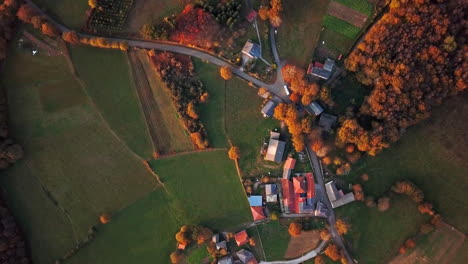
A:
[(298, 194), (257, 212), (241, 238)]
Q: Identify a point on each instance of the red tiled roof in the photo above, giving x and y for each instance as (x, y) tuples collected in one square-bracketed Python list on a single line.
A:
[(257, 212), (299, 185), (310, 185), (288, 194), (181, 246), (241, 238), (318, 65), (251, 16), (290, 164)]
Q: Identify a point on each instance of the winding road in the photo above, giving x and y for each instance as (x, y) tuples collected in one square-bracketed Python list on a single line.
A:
[(276, 88)]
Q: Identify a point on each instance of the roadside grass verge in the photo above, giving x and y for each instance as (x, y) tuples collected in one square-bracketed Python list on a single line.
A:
[(275, 239), (144, 232), (341, 26), (72, 160), (300, 30), (375, 236), (71, 13), (433, 155), (362, 6), (106, 75)]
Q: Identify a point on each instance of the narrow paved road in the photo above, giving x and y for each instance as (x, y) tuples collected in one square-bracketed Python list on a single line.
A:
[(337, 238), (310, 255), (181, 49)]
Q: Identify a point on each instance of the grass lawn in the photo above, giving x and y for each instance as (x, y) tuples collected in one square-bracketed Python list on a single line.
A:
[(198, 255), (376, 236), (362, 6), (300, 30), (246, 127), (212, 112), (341, 26), (275, 239), (348, 92), (71, 13), (148, 11), (144, 232), (107, 80), (72, 160), (336, 43), (438, 168)]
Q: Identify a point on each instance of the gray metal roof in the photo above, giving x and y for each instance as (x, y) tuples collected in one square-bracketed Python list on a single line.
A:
[(269, 109), (251, 49), (316, 108)]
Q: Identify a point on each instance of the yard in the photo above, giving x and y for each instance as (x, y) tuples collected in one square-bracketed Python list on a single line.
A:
[(74, 168), (375, 236), (71, 13), (275, 239), (144, 232), (438, 168), (107, 80), (300, 30)]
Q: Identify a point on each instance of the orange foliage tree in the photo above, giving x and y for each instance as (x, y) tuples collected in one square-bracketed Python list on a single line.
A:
[(234, 153), (105, 218), (176, 257), (225, 73), (50, 30), (26, 13), (71, 37), (342, 227), (295, 229), (333, 252)]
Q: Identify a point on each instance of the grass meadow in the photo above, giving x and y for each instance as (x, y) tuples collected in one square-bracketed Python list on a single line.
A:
[(71, 13), (341, 26), (275, 239), (107, 80), (72, 162), (362, 6), (144, 232)]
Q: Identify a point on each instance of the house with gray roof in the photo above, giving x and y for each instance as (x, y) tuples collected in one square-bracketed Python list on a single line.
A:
[(275, 151), (323, 71)]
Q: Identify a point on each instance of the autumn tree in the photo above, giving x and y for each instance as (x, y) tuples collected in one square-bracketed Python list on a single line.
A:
[(325, 235), (319, 260), (333, 252), (176, 257), (71, 37), (93, 3), (410, 189), (358, 192), (383, 204), (342, 227), (26, 13), (184, 236), (295, 229), (370, 201), (426, 208), (37, 21), (234, 153), (50, 30), (201, 234), (225, 73), (105, 218)]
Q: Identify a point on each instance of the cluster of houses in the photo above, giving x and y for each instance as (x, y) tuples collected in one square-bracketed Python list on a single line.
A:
[(242, 256)]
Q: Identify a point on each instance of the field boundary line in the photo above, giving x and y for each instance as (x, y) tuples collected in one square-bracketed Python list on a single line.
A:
[(190, 152)]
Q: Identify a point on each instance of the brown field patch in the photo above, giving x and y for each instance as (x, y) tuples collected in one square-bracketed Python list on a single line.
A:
[(305, 242), (167, 132), (441, 247), (347, 14)]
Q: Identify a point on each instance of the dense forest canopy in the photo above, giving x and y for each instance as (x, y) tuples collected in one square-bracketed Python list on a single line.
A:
[(414, 57)]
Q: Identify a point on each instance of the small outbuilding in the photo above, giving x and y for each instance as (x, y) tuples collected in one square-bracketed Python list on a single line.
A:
[(269, 109), (315, 108), (246, 257), (257, 213), (255, 200), (241, 238), (327, 121)]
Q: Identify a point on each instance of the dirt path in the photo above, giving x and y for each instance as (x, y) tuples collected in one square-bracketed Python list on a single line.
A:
[(347, 14), (191, 152), (42, 45)]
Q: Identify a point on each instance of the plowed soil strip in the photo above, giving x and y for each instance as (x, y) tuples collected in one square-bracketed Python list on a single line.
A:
[(347, 14)]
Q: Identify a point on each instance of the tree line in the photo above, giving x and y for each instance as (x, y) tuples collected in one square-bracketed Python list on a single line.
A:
[(186, 90), (413, 58)]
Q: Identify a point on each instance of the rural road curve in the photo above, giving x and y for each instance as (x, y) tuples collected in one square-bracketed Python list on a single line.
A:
[(337, 238), (275, 88)]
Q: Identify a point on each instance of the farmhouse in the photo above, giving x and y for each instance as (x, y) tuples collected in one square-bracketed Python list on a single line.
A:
[(288, 167), (337, 197), (246, 257), (299, 194), (327, 121), (320, 70), (271, 193), (276, 148), (241, 238), (268, 109), (250, 51), (257, 213), (314, 108)]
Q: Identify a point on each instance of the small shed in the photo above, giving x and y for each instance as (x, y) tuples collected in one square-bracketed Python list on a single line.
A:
[(251, 49), (241, 238), (269, 109), (257, 212), (256, 200)]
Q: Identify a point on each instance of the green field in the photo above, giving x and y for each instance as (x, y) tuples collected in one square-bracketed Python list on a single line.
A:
[(300, 30), (71, 13), (144, 232), (362, 6), (106, 76), (438, 168), (376, 236), (73, 162), (341, 26), (336, 43), (275, 240), (198, 255), (150, 11), (212, 112)]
